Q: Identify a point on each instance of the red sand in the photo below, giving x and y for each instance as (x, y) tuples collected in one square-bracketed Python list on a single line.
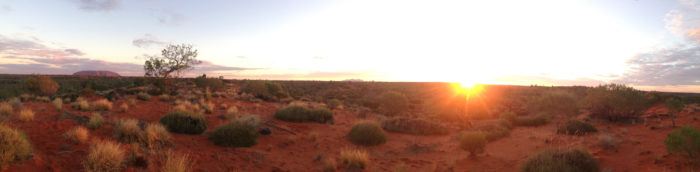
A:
[(637, 150)]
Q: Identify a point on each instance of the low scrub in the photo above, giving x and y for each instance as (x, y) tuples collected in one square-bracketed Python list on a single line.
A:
[(43, 85), (105, 156), (301, 114), (472, 141), (102, 104), (575, 127), (393, 103), (184, 122), (554, 102), (26, 115), (532, 120), (156, 136), (367, 133), (354, 159), (164, 97), (266, 90), (493, 129), (95, 121), (235, 134), (77, 134), (615, 102), (684, 141), (6, 109), (413, 126), (14, 146), (143, 96), (128, 131), (176, 163), (561, 160)]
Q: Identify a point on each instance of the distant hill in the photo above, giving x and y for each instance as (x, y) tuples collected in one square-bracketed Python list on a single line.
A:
[(96, 73)]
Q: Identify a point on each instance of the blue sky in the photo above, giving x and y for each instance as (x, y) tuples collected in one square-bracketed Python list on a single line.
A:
[(652, 45)]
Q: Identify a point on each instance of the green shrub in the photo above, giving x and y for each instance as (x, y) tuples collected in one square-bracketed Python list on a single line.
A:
[(554, 102), (413, 126), (367, 133), (184, 122), (615, 102), (532, 120), (301, 114), (143, 96), (211, 83), (393, 103), (472, 141), (235, 134), (569, 160), (14, 146), (265, 90), (43, 85), (684, 141), (575, 127)]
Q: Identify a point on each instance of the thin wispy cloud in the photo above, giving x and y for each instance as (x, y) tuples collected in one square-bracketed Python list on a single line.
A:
[(98, 5), (169, 17), (147, 40)]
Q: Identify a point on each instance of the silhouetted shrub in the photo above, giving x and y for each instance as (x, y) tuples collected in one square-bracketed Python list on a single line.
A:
[(184, 122), (211, 83), (301, 114), (367, 133), (235, 134), (615, 102), (413, 126), (14, 146), (574, 160), (393, 103), (554, 102), (472, 141), (684, 141), (43, 85), (575, 127)]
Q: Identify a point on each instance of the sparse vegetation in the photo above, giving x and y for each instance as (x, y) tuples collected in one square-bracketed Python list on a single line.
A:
[(554, 102), (105, 156), (573, 160), (493, 129), (334, 104), (607, 141), (674, 106), (367, 133), (143, 96), (472, 141), (684, 141), (301, 114), (615, 102), (575, 127), (413, 126), (235, 134), (26, 115), (184, 122), (128, 131), (393, 103), (14, 146), (354, 159), (77, 134), (95, 121)]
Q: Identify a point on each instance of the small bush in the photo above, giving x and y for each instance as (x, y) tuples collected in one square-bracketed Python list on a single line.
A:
[(128, 131), (472, 141), (554, 102), (575, 127), (124, 107), (232, 111), (684, 141), (615, 102), (102, 104), (235, 134), (184, 122), (334, 103), (212, 83), (493, 129), (156, 135), (561, 160), (26, 115), (42, 85), (413, 126), (393, 103), (176, 163), (164, 97), (95, 121), (58, 103), (354, 159), (6, 109), (77, 134), (106, 156), (532, 120), (87, 92), (301, 114), (80, 104), (14, 146), (265, 90), (143, 96), (329, 165), (367, 133)]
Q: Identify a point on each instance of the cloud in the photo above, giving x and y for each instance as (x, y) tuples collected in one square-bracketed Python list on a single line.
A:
[(147, 41), (168, 17), (98, 5), (74, 52), (4, 9)]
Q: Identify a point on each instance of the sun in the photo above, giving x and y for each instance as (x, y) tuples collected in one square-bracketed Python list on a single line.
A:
[(468, 88)]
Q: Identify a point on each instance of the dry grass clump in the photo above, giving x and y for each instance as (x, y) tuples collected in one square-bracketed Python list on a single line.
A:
[(127, 130), (232, 111), (176, 163), (156, 135), (80, 104), (106, 156), (164, 97), (14, 146), (329, 165), (44, 99), (207, 106), (95, 121), (77, 134), (187, 106), (102, 104), (5, 109), (473, 141), (354, 158), (26, 115), (58, 103), (124, 107)]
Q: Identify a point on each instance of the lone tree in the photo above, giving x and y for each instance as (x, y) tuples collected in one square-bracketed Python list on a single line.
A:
[(173, 62), (674, 106)]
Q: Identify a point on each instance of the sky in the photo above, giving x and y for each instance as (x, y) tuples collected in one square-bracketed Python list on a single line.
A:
[(648, 44)]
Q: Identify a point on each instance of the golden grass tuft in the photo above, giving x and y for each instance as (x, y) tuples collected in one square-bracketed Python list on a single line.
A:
[(156, 135), (105, 156), (58, 103), (187, 106), (102, 104), (26, 115), (80, 104), (176, 163), (124, 107), (329, 165), (14, 146), (127, 131), (95, 121), (77, 134), (354, 158), (6, 109)]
